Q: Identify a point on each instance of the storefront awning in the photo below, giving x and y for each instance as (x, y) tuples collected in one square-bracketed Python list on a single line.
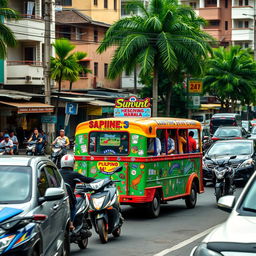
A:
[(210, 106), (101, 103), (78, 99), (30, 107)]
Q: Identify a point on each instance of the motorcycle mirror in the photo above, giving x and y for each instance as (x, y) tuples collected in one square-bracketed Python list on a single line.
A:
[(232, 157)]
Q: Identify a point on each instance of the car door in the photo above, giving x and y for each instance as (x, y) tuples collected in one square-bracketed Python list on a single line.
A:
[(59, 216)]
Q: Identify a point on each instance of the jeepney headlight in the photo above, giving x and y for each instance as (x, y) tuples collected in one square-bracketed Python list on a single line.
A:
[(202, 250)]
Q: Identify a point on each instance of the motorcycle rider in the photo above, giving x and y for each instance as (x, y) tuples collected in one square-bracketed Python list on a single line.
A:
[(7, 143), (62, 140), (15, 141), (36, 136), (71, 178)]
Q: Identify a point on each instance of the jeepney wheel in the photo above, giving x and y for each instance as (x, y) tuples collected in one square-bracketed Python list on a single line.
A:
[(154, 206), (192, 198)]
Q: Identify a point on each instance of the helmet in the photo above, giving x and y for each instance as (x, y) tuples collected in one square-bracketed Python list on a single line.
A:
[(67, 161)]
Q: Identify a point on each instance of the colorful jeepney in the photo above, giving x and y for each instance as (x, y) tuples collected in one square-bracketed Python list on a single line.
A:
[(146, 178)]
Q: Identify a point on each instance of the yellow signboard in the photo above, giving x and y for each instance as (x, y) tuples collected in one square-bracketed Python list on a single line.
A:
[(195, 86)]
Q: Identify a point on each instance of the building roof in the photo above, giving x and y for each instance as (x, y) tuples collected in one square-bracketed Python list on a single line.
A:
[(73, 16), (18, 95)]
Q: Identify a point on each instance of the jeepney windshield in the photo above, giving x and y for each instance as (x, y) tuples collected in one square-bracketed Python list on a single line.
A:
[(109, 143)]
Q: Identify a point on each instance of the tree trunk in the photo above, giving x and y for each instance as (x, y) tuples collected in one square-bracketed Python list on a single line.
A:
[(135, 80), (70, 86), (58, 98), (168, 100), (155, 92)]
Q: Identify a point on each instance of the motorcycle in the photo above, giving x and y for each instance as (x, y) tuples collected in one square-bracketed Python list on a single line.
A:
[(58, 151), (82, 222), (105, 211), (31, 149), (5, 151), (223, 177)]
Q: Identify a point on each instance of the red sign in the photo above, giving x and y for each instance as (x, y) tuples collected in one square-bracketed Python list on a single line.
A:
[(34, 110)]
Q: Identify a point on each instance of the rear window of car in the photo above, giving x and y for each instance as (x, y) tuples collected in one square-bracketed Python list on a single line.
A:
[(15, 184), (231, 132), (222, 122)]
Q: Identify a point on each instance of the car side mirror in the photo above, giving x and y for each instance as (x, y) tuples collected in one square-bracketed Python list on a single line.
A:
[(227, 203), (52, 194)]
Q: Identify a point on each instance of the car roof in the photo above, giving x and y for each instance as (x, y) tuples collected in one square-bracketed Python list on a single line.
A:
[(20, 160), (229, 127), (234, 141), (225, 114)]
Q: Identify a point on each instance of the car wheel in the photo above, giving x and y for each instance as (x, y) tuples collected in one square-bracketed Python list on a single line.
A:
[(66, 244), (192, 198), (154, 206)]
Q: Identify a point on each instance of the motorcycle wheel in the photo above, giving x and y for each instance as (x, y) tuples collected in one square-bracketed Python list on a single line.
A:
[(103, 233), (192, 198), (117, 232), (82, 244), (218, 194), (154, 206)]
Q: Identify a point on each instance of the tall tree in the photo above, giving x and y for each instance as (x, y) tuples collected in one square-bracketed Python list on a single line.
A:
[(7, 38), (164, 36), (231, 76)]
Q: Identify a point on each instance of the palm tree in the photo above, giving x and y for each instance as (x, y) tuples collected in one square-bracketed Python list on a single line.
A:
[(230, 76), (65, 66), (165, 35), (7, 38)]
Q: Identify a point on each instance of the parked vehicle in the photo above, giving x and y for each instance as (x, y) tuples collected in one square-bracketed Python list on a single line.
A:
[(31, 149), (224, 119), (82, 221), (34, 208), (58, 151), (230, 132), (253, 122), (223, 177), (105, 209), (243, 164), (236, 236), (253, 133), (247, 125)]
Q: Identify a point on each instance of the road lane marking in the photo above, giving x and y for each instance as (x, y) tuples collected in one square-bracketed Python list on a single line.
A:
[(186, 242)]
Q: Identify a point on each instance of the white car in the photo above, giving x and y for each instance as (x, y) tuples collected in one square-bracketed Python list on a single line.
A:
[(236, 236)]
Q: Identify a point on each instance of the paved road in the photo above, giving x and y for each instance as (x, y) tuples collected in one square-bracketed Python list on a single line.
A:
[(143, 236)]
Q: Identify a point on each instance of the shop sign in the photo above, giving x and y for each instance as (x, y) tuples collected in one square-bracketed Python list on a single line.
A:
[(28, 110), (108, 125), (49, 119), (195, 86), (107, 167), (132, 107)]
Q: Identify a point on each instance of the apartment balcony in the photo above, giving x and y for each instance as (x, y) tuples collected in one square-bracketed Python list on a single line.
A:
[(214, 32), (242, 34), (210, 13), (242, 12), (24, 72)]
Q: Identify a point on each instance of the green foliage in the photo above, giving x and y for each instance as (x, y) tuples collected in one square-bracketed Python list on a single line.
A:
[(7, 38), (66, 66), (231, 75)]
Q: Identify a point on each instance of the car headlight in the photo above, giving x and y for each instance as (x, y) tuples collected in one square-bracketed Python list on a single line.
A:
[(247, 163), (5, 241), (202, 250), (97, 202)]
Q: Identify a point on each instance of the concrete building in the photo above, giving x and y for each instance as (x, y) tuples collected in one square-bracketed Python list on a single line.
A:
[(23, 68), (86, 34), (231, 22)]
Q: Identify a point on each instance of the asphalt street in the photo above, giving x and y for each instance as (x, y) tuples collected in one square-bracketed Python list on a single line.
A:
[(176, 224)]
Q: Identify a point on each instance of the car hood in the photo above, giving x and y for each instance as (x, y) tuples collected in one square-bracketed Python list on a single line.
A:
[(221, 158), (237, 229), (8, 212)]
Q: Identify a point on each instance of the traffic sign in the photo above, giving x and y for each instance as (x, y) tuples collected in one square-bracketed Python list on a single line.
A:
[(71, 108), (195, 86)]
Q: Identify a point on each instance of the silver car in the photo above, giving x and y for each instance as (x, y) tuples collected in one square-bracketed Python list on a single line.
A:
[(236, 236), (32, 186)]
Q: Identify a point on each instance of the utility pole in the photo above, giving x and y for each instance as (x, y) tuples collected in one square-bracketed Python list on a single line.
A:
[(135, 80), (49, 127)]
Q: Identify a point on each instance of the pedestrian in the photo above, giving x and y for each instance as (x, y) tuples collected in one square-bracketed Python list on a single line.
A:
[(191, 142)]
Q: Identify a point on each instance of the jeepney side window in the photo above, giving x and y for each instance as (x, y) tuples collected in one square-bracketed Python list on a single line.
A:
[(194, 140), (154, 146), (182, 141), (168, 142), (109, 143)]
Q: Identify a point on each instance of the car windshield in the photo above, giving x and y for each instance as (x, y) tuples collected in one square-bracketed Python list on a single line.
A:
[(230, 132), (234, 148), (15, 184), (109, 143), (219, 122)]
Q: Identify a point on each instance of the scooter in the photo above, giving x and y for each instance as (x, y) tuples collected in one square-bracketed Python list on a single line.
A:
[(57, 153), (82, 222), (5, 151), (31, 149), (223, 177), (105, 211)]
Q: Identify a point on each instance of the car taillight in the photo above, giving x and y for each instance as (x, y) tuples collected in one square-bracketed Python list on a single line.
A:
[(39, 217)]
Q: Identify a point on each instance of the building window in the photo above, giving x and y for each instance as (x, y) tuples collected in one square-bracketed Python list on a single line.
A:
[(115, 5), (226, 3), (30, 54), (214, 23), (246, 24), (105, 69), (95, 2), (240, 24), (95, 68), (240, 2), (192, 5), (209, 3), (246, 2), (96, 36), (65, 32), (226, 25), (78, 33), (66, 2), (246, 45), (105, 3)]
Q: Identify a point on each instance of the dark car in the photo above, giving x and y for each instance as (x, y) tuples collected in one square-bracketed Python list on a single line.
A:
[(230, 132), (243, 164), (224, 119)]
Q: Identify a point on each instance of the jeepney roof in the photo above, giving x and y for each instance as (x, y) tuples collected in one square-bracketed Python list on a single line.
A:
[(143, 126)]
